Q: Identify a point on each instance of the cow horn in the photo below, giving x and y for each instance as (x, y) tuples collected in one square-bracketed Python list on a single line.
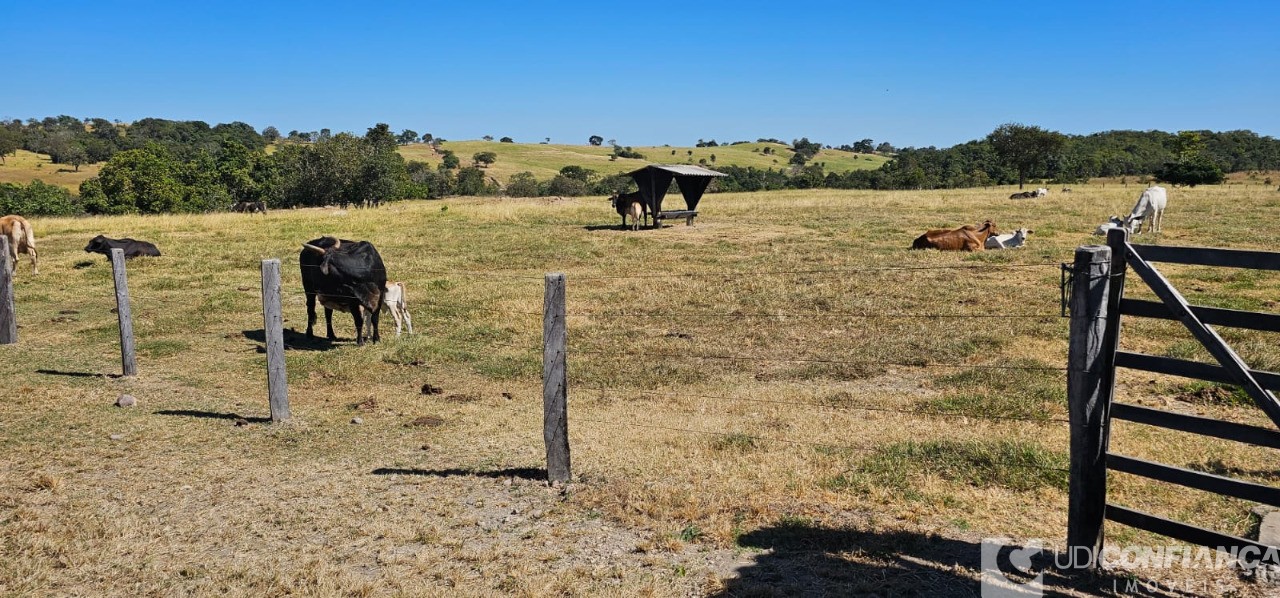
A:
[(313, 248), (337, 243)]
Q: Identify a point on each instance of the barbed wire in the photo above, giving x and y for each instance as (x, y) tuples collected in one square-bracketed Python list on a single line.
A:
[(856, 407), (632, 354), (849, 447), (805, 314)]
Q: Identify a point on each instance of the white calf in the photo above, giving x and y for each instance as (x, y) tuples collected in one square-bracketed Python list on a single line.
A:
[(1012, 240), (1041, 192), (394, 302), (1149, 210)]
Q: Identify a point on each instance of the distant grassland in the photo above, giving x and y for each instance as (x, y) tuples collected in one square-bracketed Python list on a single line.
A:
[(28, 166), (546, 160)]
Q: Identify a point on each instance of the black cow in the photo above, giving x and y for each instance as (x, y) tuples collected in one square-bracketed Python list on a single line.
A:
[(622, 203), (250, 207), (343, 275), (102, 244)]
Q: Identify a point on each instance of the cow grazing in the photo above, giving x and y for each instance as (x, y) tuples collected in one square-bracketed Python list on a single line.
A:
[(394, 302), (1012, 240), (1112, 222), (250, 207), (343, 275), (22, 239), (1149, 210), (965, 238), (624, 203), (132, 248)]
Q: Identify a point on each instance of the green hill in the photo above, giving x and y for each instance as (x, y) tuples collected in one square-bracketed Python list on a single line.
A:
[(546, 160)]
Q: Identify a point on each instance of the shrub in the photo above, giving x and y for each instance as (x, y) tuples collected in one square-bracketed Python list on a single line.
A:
[(37, 199), (522, 184)]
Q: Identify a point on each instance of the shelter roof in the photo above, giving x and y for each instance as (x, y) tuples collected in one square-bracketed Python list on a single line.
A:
[(680, 169)]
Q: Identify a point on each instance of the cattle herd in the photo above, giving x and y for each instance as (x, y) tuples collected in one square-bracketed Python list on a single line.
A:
[(1149, 210)]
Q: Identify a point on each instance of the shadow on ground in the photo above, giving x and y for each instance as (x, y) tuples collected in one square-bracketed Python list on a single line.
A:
[(76, 374), (211, 415), (524, 473), (293, 341), (804, 560)]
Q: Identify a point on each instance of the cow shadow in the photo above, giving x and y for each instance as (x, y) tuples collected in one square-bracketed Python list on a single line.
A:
[(524, 473), (211, 415), (617, 227), (293, 340), (805, 560), (76, 374)]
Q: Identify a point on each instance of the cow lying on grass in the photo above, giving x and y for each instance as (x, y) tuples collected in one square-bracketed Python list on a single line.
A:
[(965, 238), (346, 276), (21, 240), (250, 207), (1012, 240), (131, 248)]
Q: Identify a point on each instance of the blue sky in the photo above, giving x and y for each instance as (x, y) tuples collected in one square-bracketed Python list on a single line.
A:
[(646, 73)]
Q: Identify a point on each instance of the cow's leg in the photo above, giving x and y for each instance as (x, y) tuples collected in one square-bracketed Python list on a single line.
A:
[(311, 313), (356, 314), (328, 322), (379, 298), (408, 321)]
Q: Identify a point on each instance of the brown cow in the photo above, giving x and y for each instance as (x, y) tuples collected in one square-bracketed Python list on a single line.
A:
[(965, 238), (21, 240)]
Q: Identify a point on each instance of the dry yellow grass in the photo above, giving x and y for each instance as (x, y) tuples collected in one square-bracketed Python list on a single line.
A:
[(26, 166), (778, 466)]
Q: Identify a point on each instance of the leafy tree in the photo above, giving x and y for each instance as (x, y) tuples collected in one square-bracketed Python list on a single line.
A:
[(271, 134), (1025, 148), (142, 180), (595, 140), (484, 159), (1196, 170), (37, 199), (10, 141), (864, 146), (427, 137), (380, 136), (75, 155), (471, 181), (487, 138), (407, 136), (506, 140), (522, 184), (450, 160), (324, 135), (563, 185), (578, 173), (884, 148)]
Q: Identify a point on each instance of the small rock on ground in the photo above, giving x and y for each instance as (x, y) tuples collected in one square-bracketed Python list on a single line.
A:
[(126, 401), (357, 420)]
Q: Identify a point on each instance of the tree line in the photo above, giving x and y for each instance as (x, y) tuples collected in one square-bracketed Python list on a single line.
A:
[(156, 165)]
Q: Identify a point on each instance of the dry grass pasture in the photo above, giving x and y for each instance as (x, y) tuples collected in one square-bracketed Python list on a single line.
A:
[(781, 399), (24, 167)]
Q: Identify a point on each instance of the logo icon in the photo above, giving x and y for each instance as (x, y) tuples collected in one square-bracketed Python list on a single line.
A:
[(996, 583)]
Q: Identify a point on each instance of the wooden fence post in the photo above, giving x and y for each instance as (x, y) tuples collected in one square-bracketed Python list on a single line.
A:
[(8, 318), (555, 380), (128, 356), (1090, 363), (273, 333)]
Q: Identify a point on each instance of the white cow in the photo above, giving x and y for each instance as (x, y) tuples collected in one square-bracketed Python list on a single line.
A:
[(1041, 192), (1149, 209), (1113, 222), (1012, 240), (394, 301)]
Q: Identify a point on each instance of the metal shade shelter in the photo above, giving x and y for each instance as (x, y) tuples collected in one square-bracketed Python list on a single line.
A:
[(655, 179)]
